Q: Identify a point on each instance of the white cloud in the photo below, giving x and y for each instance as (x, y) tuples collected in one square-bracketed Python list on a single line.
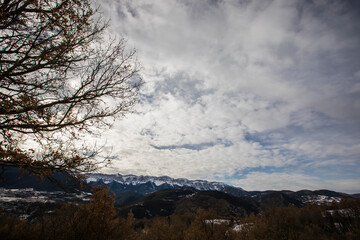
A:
[(277, 71), (295, 181)]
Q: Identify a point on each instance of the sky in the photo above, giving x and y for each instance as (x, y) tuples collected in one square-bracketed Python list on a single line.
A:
[(257, 94)]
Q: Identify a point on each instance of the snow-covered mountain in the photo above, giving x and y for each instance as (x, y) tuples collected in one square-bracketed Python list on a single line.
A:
[(131, 187), (19, 192), (147, 184)]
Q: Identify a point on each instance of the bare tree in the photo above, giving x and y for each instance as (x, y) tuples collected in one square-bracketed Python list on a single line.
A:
[(60, 77)]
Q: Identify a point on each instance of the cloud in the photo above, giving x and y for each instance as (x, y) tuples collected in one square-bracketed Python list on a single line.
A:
[(295, 181), (278, 80)]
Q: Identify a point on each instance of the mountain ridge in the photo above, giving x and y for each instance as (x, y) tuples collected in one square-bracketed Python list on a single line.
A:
[(131, 179), (150, 194), (130, 188), (128, 184)]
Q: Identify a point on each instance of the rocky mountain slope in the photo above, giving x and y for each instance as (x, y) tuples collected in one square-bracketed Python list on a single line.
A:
[(131, 187)]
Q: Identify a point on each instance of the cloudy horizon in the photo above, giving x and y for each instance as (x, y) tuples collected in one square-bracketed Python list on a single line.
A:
[(257, 94)]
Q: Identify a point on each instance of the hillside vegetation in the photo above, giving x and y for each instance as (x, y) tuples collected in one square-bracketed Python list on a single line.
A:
[(99, 219)]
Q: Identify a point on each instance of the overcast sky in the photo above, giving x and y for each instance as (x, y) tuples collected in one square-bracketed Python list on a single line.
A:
[(257, 94)]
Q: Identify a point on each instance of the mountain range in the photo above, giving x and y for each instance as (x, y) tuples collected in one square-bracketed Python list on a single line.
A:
[(130, 188), (148, 196), (125, 185)]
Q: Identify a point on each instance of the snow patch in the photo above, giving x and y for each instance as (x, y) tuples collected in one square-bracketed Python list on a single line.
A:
[(320, 199)]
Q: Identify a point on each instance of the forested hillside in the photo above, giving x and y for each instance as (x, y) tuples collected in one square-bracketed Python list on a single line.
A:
[(99, 219)]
